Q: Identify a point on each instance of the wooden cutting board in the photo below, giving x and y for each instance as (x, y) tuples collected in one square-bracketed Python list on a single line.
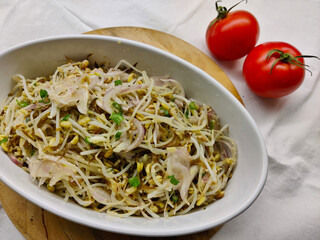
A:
[(35, 223)]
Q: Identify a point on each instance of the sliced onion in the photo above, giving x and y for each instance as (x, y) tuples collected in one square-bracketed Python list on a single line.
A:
[(112, 92), (177, 85), (37, 106), (14, 160), (100, 195), (139, 137)]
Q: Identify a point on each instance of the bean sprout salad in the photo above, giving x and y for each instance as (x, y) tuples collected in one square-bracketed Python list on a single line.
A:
[(117, 140)]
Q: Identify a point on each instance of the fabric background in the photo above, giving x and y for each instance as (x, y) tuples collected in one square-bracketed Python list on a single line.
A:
[(289, 206)]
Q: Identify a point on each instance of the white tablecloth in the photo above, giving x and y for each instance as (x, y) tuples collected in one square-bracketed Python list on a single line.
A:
[(289, 206)]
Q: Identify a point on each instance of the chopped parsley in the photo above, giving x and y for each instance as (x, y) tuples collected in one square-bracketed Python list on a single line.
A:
[(134, 182), (66, 117), (192, 106), (165, 112), (117, 106), (173, 180), (44, 95), (4, 140), (211, 125), (117, 118), (175, 198), (32, 152), (186, 114), (86, 139), (118, 134), (22, 103), (117, 82)]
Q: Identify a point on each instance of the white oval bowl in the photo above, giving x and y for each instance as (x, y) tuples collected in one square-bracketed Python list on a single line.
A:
[(41, 57)]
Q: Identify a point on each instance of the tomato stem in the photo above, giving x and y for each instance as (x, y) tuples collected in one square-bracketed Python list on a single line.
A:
[(288, 58), (223, 11)]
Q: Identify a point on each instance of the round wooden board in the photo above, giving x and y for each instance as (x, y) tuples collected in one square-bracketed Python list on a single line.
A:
[(35, 223)]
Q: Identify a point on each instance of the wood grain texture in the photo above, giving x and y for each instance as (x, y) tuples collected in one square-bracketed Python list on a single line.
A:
[(35, 223), (175, 46)]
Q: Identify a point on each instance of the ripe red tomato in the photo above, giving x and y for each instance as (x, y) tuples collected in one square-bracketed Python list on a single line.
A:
[(274, 69), (232, 35)]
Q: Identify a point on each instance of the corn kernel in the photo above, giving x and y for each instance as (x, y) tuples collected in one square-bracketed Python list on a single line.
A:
[(228, 161), (171, 149), (165, 106), (2, 137), (173, 112), (84, 63), (83, 121), (220, 194), (189, 147), (51, 188), (74, 140), (148, 168), (24, 111), (52, 141), (159, 178), (154, 208), (140, 116), (202, 138), (65, 124), (139, 82), (179, 134), (201, 200), (139, 167), (147, 125), (168, 95), (114, 187), (109, 79), (5, 147), (131, 76), (151, 182), (108, 153), (217, 157), (107, 163), (85, 79), (93, 128), (160, 204), (152, 111), (131, 190)]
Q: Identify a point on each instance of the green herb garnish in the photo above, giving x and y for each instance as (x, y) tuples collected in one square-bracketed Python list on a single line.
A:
[(134, 182), (117, 106), (44, 94), (32, 152), (173, 180), (116, 117), (66, 117), (165, 112), (175, 198), (211, 125), (4, 140), (117, 82), (186, 114), (86, 139), (118, 134), (22, 103), (192, 106)]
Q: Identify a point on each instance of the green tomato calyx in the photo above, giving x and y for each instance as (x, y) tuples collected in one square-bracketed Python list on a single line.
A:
[(288, 58), (223, 11)]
